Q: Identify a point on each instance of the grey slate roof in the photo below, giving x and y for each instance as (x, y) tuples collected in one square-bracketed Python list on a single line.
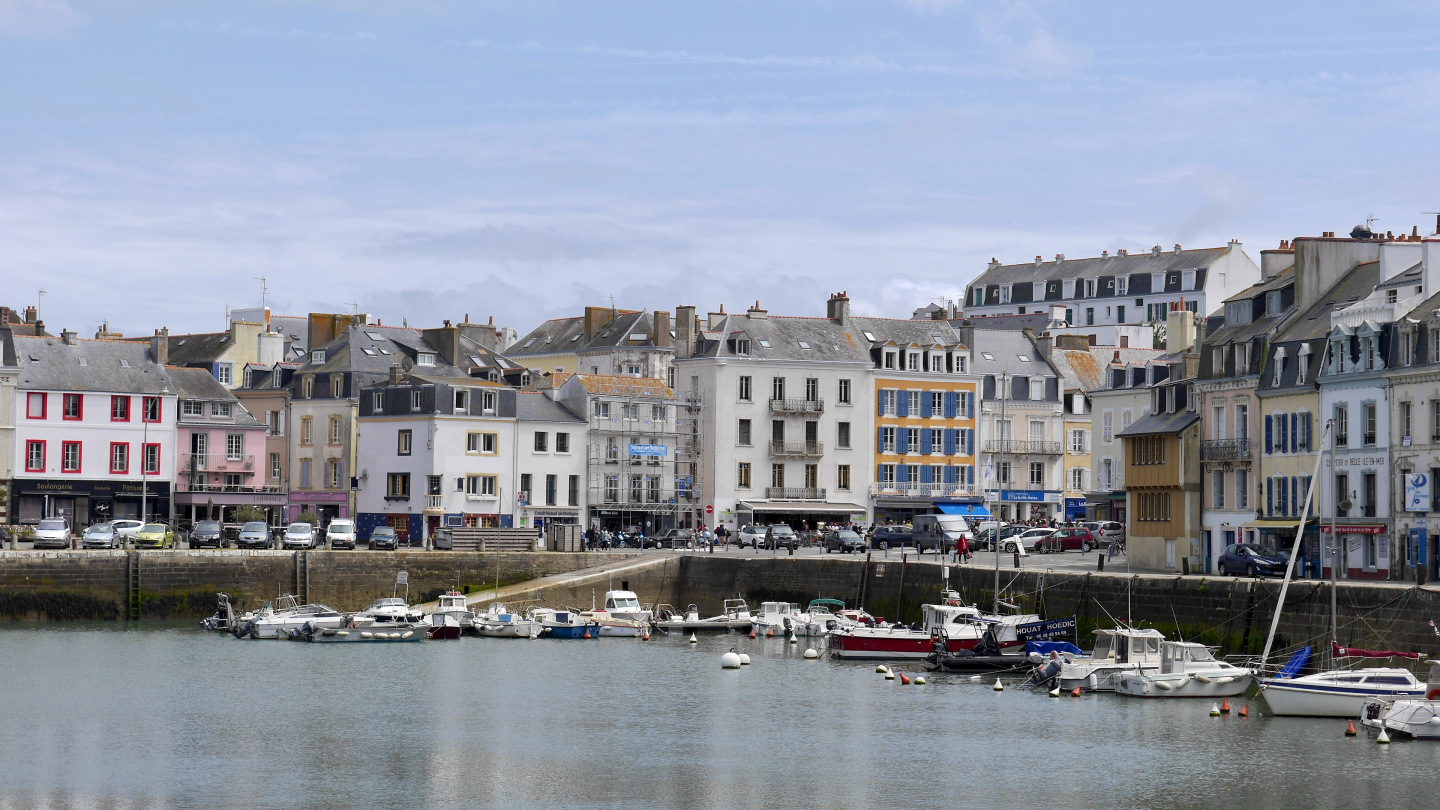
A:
[(1005, 350), (565, 335), (1036, 322), (48, 363), (1160, 423), (1410, 278), (1116, 265), (199, 384), (906, 332), (533, 406), (617, 333), (827, 340), (1314, 323)]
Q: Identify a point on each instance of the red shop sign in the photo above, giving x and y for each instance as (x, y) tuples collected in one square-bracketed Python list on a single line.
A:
[(1325, 528)]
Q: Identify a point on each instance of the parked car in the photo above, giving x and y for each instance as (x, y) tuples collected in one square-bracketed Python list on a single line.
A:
[(383, 537), (778, 536), (670, 538), (986, 538), (845, 541), (341, 533), (1106, 531), (126, 528), (749, 536), (1070, 538), (155, 535), (892, 537), (442, 540), (298, 535), (208, 533), (255, 534), (52, 533), (1252, 560), (1026, 541), (101, 535)]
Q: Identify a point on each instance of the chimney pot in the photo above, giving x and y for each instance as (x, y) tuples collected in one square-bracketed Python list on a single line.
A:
[(1039, 259), (1059, 257), (1177, 247), (1104, 254), (70, 338), (31, 314)]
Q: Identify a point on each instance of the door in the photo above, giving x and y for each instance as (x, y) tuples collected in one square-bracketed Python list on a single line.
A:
[(1207, 550), (199, 452), (1169, 553)]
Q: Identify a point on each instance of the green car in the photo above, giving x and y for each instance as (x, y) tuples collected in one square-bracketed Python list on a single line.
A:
[(155, 535)]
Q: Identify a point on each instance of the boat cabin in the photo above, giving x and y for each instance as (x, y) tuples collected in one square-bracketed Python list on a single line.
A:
[(452, 600), (621, 600), (1175, 655), (825, 607), (737, 609), (948, 617), (1128, 646), (774, 608)]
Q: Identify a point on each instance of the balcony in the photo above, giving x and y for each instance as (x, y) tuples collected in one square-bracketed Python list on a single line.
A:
[(187, 486), (1019, 446), (795, 493), (218, 462), (916, 489), (797, 449), (1225, 450), (797, 406)]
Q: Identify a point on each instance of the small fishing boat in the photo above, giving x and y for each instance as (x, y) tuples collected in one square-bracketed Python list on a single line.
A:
[(1187, 670), (452, 604), (442, 626), (289, 615), (564, 624), (626, 605), (1415, 718), (387, 635), (1123, 649), (498, 621), (385, 612), (612, 625), (225, 619), (735, 617), (822, 616), (775, 618), (953, 625)]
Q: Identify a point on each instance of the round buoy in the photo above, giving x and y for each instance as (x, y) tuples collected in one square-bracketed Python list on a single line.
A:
[(919, 680), (793, 639), (1055, 692), (904, 681), (1224, 705), (1350, 729), (998, 687), (810, 653), (1214, 710), (729, 661), (744, 660), (693, 639), (1076, 692), (1383, 739), (882, 669)]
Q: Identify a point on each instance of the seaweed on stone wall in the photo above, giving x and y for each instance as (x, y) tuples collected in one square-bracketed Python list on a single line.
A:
[(188, 604), (57, 606)]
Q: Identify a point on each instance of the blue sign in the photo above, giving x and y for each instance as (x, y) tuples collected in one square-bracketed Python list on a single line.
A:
[(1046, 630), (658, 450), (1022, 495)]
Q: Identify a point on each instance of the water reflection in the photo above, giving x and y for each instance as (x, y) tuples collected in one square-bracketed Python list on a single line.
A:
[(169, 716)]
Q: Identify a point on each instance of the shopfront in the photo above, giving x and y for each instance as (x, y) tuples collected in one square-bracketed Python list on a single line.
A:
[(88, 502), (1364, 550), (1028, 504), (328, 505), (799, 516), (1074, 509), (221, 505)]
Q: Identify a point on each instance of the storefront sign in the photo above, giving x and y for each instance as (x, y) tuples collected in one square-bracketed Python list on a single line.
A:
[(1417, 492), (1325, 529), (319, 497), (1344, 462), (95, 489), (658, 450)]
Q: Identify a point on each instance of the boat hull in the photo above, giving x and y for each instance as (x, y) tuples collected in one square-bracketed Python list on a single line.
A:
[(507, 629), (701, 625), (1101, 678), (387, 636), (1294, 698), (1419, 719), (283, 628), (572, 631), (886, 646), (1221, 685), (982, 663)]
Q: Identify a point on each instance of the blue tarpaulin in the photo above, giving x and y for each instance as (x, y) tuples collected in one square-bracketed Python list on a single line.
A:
[(1047, 647), (1295, 664), (967, 509)]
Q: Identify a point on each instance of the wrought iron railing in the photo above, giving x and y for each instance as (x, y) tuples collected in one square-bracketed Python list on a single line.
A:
[(797, 406), (1225, 450), (1023, 446), (797, 449)]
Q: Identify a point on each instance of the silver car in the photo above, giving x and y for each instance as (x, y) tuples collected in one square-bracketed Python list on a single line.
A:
[(254, 534), (101, 535), (298, 535), (52, 533), (125, 528)]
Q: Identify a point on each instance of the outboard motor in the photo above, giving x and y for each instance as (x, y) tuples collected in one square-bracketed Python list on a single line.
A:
[(244, 629), (1045, 674)]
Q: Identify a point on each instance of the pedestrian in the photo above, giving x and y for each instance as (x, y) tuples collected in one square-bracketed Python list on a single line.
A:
[(962, 549)]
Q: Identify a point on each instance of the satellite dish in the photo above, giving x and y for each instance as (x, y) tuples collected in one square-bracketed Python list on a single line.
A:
[(1346, 505)]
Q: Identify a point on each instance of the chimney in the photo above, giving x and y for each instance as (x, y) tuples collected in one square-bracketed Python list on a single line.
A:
[(1179, 331), (1042, 344), (755, 313), (994, 263), (1155, 251), (31, 314), (937, 315), (1117, 356), (1121, 252), (160, 346), (662, 329), (712, 321), (395, 371), (70, 338), (595, 320), (684, 331), (1104, 254), (39, 327), (1177, 247), (1038, 260), (1059, 258), (838, 308)]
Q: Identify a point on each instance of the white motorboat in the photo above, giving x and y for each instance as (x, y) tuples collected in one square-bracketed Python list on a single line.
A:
[(289, 615), (387, 612), (626, 605), (823, 616), (498, 621), (612, 625), (564, 623), (775, 618), (452, 604), (1187, 669), (1418, 718), (735, 617), (735, 614), (1117, 651)]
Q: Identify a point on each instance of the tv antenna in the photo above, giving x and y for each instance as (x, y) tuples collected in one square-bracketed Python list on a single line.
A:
[(354, 308), (264, 288)]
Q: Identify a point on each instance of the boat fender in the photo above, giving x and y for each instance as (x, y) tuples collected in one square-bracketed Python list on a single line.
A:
[(367, 634), (342, 632), (1224, 679), (1203, 678), (328, 632), (1433, 721), (1183, 682), (407, 634), (1164, 685)]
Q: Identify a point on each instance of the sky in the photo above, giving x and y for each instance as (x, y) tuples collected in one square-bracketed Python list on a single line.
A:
[(421, 161)]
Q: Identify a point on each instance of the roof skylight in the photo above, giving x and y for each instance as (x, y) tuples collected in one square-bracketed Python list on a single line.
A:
[(870, 336), (987, 355), (765, 343)]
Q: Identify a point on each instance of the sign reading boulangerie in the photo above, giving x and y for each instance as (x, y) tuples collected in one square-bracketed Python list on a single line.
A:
[(1417, 492)]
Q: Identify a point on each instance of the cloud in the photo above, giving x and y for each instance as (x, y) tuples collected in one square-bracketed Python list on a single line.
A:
[(1047, 54), (37, 17)]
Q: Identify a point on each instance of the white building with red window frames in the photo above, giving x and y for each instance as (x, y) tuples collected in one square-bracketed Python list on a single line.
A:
[(94, 431)]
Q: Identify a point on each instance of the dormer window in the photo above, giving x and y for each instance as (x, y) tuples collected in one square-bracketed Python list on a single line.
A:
[(889, 360), (425, 359), (1121, 285), (1157, 282), (377, 402), (913, 363), (1272, 302), (1089, 288), (1392, 296), (1242, 359), (1217, 361), (318, 356), (415, 401), (1004, 293), (1188, 280), (1407, 348), (1303, 362), (742, 346), (1279, 364)]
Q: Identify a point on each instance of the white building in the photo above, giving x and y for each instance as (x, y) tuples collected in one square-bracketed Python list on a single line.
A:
[(1021, 426)]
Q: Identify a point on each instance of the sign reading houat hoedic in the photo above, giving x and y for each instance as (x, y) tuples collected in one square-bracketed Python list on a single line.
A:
[(1417, 492), (659, 450)]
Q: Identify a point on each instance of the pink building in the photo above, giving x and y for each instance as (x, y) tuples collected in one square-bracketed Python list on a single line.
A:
[(221, 461)]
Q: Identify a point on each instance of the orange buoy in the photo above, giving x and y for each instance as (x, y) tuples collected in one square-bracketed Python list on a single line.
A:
[(1224, 705), (645, 635), (1075, 693), (1350, 729), (1244, 710), (587, 633), (770, 633), (904, 680), (752, 631)]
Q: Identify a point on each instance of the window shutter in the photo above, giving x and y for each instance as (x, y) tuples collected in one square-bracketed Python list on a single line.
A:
[(1308, 448), (1294, 495), (880, 402), (1269, 492), (925, 475), (879, 472), (902, 474), (1294, 432), (880, 440), (927, 403), (902, 403), (949, 404), (1268, 433), (902, 440), (949, 441), (927, 441), (969, 441)]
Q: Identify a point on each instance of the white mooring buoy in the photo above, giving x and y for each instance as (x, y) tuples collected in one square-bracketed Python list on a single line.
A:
[(744, 660), (1055, 692), (1384, 738), (793, 639), (811, 653), (693, 639), (730, 661), (882, 669), (1215, 710), (919, 680), (998, 687), (889, 676)]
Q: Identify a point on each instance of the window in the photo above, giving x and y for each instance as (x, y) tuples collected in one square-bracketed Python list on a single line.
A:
[(1107, 427), (151, 463), (225, 373), (1037, 389), (1218, 488), (425, 359), (1147, 450), (913, 406), (415, 402), (742, 475), (842, 435), (912, 440), (1242, 489), (742, 433), (777, 475), (71, 407), (337, 386), (1342, 494), (887, 401), (842, 477), (843, 395), (745, 388), (562, 442), (377, 402), (1078, 443), (1342, 426), (1004, 293), (234, 446), (1407, 348), (119, 457), (70, 457), (937, 442), (1037, 474), (487, 401), (572, 492), (275, 466), (887, 440), (777, 388), (306, 430), (1077, 479), (889, 360), (525, 488), (542, 441), (402, 442), (480, 485), (812, 389), (1002, 472), (480, 443), (397, 487), (35, 405), (34, 456), (1107, 471), (552, 483), (913, 361), (1367, 412), (812, 476), (1405, 422), (1367, 485), (937, 405), (1120, 285), (1242, 421), (335, 430), (1090, 288), (192, 407), (119, 409)]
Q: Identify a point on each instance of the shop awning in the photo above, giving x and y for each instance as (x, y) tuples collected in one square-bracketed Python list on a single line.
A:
[(810, 507), (966, 509), (1274, 523)]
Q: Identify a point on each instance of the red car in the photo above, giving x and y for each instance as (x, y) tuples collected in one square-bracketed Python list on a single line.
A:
[(1076, 538)]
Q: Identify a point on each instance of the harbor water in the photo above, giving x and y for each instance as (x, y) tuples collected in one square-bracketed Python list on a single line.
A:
[(169, 716)]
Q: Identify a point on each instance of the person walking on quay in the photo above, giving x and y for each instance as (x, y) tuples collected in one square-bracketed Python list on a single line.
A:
[(722, 534)]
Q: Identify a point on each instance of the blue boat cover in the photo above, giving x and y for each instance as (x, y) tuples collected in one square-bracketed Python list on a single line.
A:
[(1047, 647), (1295, 664), (967, 509)]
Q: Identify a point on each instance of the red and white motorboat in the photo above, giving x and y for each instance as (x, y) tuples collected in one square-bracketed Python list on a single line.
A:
[(959, 626)]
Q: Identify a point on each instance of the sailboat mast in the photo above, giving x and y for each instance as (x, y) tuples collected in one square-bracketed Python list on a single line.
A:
[(1334, 552), (1000, 487), (1294, 550)]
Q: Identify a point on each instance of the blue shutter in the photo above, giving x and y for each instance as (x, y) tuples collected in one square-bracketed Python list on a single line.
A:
[(880, 402), (927, 403), (951, 473), (902, 473), (902, 440), (926, 475), (949, 404), (970, 404), (1308, 448), (1268, 432), (1294, 495), (879, 473), (927, 441), (969, 441), (1269, 492), (1294, 432), (880, 440), (1282, 443), (902, 403), (970, 474), (949, 441)]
